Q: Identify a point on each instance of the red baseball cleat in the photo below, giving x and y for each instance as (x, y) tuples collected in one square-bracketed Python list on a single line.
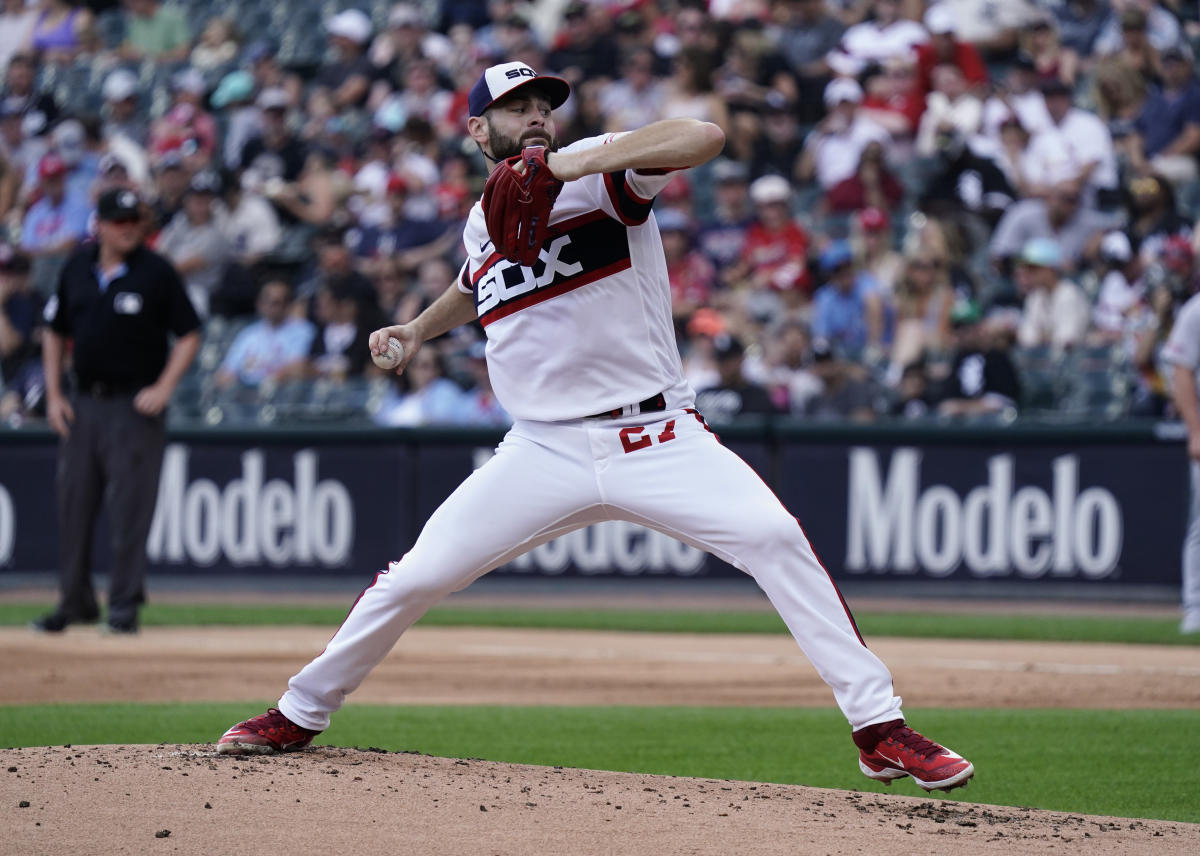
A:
[(892, 750), (265, 734)]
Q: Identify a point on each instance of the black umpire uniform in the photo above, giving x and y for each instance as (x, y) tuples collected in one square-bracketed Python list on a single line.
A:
[(117, 304)]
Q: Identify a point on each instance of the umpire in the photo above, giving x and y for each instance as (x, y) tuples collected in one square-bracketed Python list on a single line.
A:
[(117, 303)]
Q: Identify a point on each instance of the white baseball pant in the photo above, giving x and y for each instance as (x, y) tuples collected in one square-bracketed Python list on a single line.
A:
[(666, 471)]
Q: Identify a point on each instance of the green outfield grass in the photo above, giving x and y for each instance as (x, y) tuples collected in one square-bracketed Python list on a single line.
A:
[(1040, 628), (1126, 763)]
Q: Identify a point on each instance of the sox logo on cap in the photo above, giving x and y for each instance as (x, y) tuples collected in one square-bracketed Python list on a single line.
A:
[(500, 80)]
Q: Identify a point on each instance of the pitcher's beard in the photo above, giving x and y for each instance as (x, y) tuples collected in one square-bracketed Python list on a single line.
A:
[(504, 147)]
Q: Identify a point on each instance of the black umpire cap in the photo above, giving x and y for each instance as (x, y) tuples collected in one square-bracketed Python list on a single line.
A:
[(119, 203)]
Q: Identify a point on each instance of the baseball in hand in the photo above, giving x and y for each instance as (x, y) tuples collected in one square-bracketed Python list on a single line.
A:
[(392, 354)]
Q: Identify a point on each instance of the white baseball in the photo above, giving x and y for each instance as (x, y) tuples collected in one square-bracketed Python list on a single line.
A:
[(392, 355)]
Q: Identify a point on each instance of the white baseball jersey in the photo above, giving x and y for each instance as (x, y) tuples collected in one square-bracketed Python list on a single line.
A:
[(588, 328)]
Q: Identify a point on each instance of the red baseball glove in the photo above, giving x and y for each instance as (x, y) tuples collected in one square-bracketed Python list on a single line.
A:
[(516, 205)]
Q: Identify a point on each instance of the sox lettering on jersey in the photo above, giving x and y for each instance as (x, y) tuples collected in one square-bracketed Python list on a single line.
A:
[(587, 249)]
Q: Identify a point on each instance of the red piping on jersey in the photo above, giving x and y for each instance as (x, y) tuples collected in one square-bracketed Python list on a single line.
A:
[(486, 266), (378, 574), (615, 198), (634, 196), (537, 296)]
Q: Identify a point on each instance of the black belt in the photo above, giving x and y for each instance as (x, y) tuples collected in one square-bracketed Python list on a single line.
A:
[(101, 389), (653, 404)]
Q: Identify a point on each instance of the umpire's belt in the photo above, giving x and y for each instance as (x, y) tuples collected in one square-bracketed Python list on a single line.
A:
[(101, 389), (653, 404)]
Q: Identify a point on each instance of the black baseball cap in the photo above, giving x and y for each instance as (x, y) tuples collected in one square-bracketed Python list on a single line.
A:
[(506, 78), (119, 203)]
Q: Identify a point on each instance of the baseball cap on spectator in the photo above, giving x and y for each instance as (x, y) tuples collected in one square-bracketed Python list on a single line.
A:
[(1115, 246), (120, 85), (939, 20), (726, 346), (189, 80), (672, 220), (726, 171), (873, 219), (506, 78), (822, 351), (351, 24), (770, 188), (706, 322), (273, 98), (205, 181), (67, 138), (51, 166), (119, 203), (1178, 52), (235, 86), (404, 15), (1042, 252), (835, 255), (842, 89), (396, 184)]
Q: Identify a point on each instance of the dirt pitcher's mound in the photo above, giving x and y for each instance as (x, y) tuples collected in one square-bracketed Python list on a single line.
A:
[(188, 799)]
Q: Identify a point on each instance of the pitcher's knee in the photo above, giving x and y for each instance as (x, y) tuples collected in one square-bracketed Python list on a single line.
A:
[(410, 583), (772, 533)]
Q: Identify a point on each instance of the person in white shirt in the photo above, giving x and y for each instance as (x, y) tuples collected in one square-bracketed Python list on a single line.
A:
[(950, 106), (1056, 311), (1076, 148), (885, 36), (833, 150)]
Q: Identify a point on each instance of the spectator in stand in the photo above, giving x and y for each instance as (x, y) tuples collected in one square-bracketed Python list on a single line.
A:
[(478, 405), (923, 301), (234, 97), (754, 76), (1153, 216), (170, 184), (248, 222), (871, 186), (1169, 123), (583, 48), (944, 47), (61, 32), (406, 38), (341, 345), (432, 398), (194, 243), (965, 185), (692, 276), (784, 367), (1049, 57), (259, 58), (293, 178), (272, 348), (1019, 98), (893, 99), (875, 41), (775, 255), (834, 149), (19, 150), (1139, 25), (636, 97), (847, 311), (1056, 311), (69, 141), (347, 76), (871, 239), (423, 97), (398, 234), (1121, 288), (779, 146), (20, 310), (1077, 147), (993, 28), (185, 119), (157, 31), (733, 395), (982, 376), (949, 107), (1079, 23), (804, 33), (1062, 215), (38, 110), (17, 19), (121, 114), (689, 90), (335, 270), (217, 46), (847, 393), (723, 227), (53, 225)]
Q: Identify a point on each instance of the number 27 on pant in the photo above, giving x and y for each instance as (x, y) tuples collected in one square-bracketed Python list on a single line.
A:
[(634, 437)]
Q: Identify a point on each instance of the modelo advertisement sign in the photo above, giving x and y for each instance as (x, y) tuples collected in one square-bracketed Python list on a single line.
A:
[(1094, 514)]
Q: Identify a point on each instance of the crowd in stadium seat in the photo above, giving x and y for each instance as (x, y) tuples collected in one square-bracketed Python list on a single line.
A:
[(961, 210)]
